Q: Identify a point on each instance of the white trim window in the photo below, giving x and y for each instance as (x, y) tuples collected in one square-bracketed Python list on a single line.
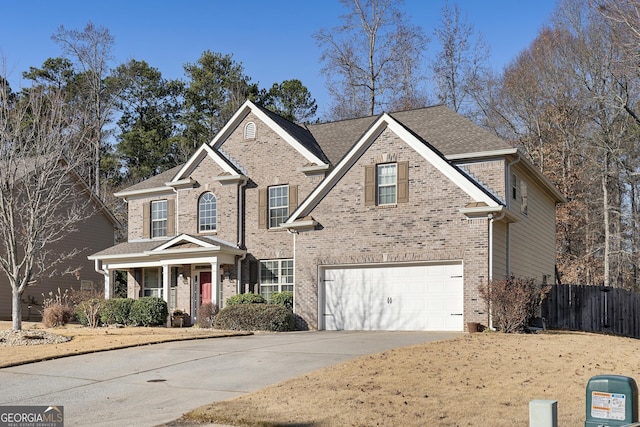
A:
[(278, 205), (207, 212), (151, 283), (159, 218), (387, 183), (275, 276)]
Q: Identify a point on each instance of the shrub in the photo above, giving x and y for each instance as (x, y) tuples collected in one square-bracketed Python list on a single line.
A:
[(88, 312), (148, 311), (57, 315), (206, 313), (255, 317), (116, 311), (57, 309), (513, 301), (248, 298), (283, 298)]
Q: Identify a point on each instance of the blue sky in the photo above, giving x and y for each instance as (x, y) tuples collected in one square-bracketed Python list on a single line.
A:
[(271, 38)]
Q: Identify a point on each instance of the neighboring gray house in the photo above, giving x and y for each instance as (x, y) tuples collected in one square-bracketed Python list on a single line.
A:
[(95, 233), (390, 222)]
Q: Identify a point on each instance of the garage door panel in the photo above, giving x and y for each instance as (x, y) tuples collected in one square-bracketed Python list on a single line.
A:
[(418, 297)]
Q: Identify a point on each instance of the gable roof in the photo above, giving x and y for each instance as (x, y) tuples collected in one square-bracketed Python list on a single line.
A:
[(299, 138), (427, 151), (202, 152), (148, 248), (450, 133)]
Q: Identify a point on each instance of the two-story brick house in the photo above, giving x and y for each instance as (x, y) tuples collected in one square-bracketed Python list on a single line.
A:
[(386, 222)]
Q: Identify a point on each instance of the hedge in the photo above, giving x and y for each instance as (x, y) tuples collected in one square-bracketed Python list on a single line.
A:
[(255, 317), (116, 311), (149, 311), (248, 298)]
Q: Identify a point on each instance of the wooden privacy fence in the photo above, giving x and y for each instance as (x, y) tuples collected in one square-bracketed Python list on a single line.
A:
[(593, 309)]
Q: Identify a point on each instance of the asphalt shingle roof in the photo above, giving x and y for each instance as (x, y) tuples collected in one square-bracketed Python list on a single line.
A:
[(130, 248), (302, 135), (156, 181), (449, 132)]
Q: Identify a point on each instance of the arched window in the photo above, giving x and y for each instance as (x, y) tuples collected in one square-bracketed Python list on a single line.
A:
[(207, 212), (250, 131)]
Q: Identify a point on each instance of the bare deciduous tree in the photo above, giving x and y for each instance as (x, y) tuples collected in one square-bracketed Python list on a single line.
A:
[(372, 60), (90, 51), (461, 62), (40, 204)]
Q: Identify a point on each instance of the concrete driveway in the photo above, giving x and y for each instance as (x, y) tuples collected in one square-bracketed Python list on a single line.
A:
[(155, 384)]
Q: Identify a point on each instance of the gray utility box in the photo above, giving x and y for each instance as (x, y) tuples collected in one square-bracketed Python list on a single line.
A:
[(612, 401)]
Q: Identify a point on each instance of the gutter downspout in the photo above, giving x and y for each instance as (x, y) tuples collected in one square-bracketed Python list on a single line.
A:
[(240, 235), (107, 277), (176, 223), (294, 233), (492, 218)]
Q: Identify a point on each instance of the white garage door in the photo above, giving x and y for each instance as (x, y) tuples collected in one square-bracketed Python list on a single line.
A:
[(402, 297)]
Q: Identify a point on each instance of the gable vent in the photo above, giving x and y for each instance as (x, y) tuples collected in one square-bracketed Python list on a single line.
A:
[(250, 131)]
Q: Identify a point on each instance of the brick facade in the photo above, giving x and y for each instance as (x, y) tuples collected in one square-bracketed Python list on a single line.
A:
[(429, 227)]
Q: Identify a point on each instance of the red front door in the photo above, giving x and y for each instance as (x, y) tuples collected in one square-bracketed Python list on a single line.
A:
[(205, 287)]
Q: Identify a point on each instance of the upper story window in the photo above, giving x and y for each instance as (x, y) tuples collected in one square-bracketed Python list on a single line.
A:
[(278, 205), (159, 218), (275, 204), (386, 184), (514, 186), (250, 131), (207, 212), (524, 198)]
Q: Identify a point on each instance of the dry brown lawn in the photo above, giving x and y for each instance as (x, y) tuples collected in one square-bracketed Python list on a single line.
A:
[(484, 379), (475, 380), (88, 340)]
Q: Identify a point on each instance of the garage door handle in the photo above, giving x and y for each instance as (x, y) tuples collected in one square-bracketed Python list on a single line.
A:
[(456, 314), (389, 300)]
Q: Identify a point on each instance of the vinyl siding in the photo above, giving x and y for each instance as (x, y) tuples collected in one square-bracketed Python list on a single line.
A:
[(93, 235), (532, 240), (500, 236)]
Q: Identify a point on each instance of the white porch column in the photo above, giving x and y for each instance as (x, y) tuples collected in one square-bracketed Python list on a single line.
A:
[(215, 282), (166, 282), (107, 283)]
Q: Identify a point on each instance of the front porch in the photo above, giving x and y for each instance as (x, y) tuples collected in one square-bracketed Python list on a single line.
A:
[(185, 271)]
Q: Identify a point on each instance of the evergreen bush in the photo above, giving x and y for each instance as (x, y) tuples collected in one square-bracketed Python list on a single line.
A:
[(116, 311), (148, 311), (248, 298), (255, 317), (283, 298)]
